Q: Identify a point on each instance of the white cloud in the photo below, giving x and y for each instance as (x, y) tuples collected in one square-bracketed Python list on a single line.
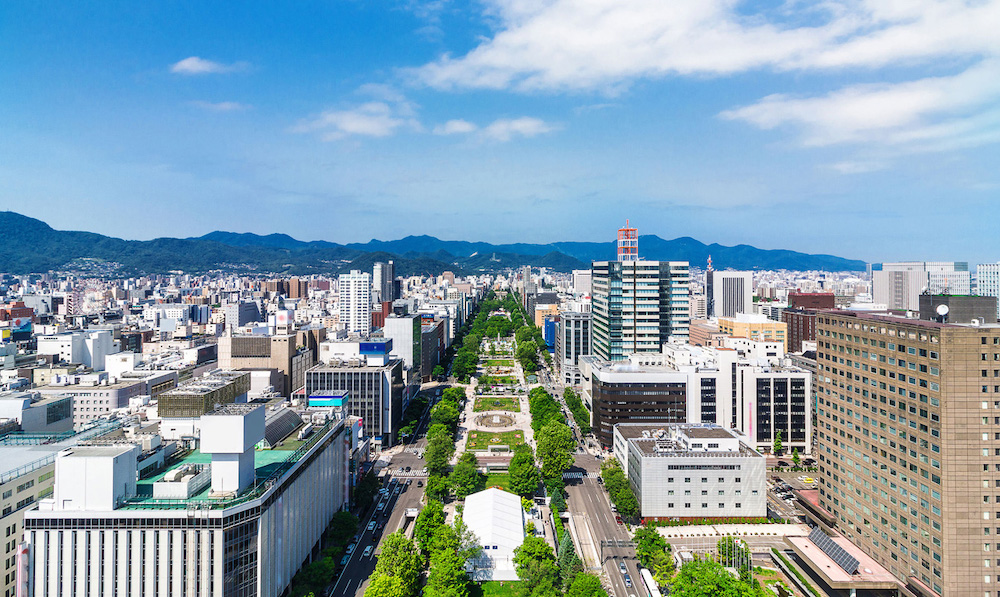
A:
[(505, 129), (932, 108), (199, 66), (455, 127), (220, 106), (372, 119), (858, 166), (603, 44)]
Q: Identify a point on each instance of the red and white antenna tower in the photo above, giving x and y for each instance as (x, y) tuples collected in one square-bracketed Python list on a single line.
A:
[(628, 243)]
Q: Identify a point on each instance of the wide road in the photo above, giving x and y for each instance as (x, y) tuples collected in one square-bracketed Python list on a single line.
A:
[(589, 504)]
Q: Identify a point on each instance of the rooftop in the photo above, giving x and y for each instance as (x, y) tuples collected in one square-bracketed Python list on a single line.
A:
[(269, 466), (22, 453), (233, 409), (207, 384)]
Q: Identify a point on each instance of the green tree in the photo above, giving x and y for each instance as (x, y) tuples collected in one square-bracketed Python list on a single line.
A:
[(586, 584), (733, 553), (466, 477), (437, 487), (569, 563), (649, 545), (706, 578), (428, 521), (663, 568), (445, 413), (523, 335), (447, 576), (440, 448), (366, 490), (796, 460), (524, 474), (777, 444), (317, 574), (437, 372), (455, 395), (399, 557), (381, 585), (343, 525), (626, 503), (536, 566), (555, 447)]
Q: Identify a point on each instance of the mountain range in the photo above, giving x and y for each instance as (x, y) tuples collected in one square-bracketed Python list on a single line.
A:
[(32, 246)]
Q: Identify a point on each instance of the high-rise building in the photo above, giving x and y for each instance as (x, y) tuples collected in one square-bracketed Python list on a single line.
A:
[(355, 292), (899, 285), (909, 445), (572, 342), (638, 305), (383, 278), (988, 281), (728, 293), (581, 282)]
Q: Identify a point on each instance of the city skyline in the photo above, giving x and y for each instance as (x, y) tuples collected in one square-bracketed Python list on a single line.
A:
[(781, 126)]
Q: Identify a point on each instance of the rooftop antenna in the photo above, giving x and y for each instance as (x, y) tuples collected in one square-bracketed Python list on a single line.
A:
[(628, 243), (709, 263)]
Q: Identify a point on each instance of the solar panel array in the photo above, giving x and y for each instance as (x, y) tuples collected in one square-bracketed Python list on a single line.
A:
[(280, 424), (843, 559)]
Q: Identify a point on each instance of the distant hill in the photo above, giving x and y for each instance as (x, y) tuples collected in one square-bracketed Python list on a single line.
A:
[(32, 246)]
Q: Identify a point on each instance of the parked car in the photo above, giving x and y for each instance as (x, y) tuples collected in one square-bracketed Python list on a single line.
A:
[(343, 560), (350, 548)]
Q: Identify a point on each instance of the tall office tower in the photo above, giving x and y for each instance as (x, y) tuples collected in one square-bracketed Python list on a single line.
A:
[(378, 272), (356, 302), (909, 441), (898, 285), (638, 305), (572, 342), (728, 293), (988, 280), (388, 279)]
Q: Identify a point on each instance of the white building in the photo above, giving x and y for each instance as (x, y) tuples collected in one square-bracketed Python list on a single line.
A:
[(497, 519), (988, 281), (582, 282), (691, 471), (728, 293), (405, 333), (246, 532), (899, 285), (87, 347), (355, 292)]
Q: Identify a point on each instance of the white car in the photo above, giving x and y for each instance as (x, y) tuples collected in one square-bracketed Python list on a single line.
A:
[(371, 526), (368, 553)]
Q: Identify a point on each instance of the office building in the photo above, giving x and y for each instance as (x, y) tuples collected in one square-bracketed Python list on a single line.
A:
[(988, 281), (909, 445), (240, 313), (572, 341), (405, 333), (728, 293), (800, 326), (691, 472), (383, 277), (744, 385), (85, 347), (754, 327), (289, 354), (638, 306), (355, 292), (224, 520), (180, 409), (899, 285), (581, 282), (374, 381), (93, 396), (812, 300)]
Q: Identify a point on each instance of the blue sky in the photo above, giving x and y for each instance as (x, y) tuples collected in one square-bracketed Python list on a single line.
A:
[(859, 128)]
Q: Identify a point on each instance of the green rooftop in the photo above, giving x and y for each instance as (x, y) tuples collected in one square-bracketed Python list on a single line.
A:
[(269, 465)]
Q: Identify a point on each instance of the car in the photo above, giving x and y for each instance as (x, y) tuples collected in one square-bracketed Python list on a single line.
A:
[(420, 483), (379, 527), (621, 566), (344, 560), (808, 481), (371, 526), (350, 548), (424, 471), (380, 507), (782, 463), (618, 519), (408, 481), (628, 581), (368, 552), (407, 469), (398, 488)]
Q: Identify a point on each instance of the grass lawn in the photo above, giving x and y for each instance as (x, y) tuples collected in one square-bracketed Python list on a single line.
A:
[(494, 588), (507, 403), (481, 440), (501, 480), (499, 363)]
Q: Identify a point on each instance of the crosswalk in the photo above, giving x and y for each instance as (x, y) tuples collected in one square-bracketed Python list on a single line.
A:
[(583, 475)]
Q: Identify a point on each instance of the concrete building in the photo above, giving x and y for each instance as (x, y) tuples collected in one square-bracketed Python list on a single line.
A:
[(728, 293), (812, 300), (239, 314), (86, 347), (33, 412), (801, 327), (93, 397), (638, 306), (988, 281), (376, 388), (224, 520), (909, 445), (572, 341), (180, 409), (899, 285), (405, 333), (582, 282), (290, 354), (754, 327), (383, 276), (691, 472), (355, 292), (26, 476)]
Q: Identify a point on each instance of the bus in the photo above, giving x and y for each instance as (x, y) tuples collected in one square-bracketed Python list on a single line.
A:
[(647, 580)]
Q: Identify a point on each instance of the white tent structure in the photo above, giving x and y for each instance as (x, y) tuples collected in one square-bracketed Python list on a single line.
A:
[(497, 519)]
